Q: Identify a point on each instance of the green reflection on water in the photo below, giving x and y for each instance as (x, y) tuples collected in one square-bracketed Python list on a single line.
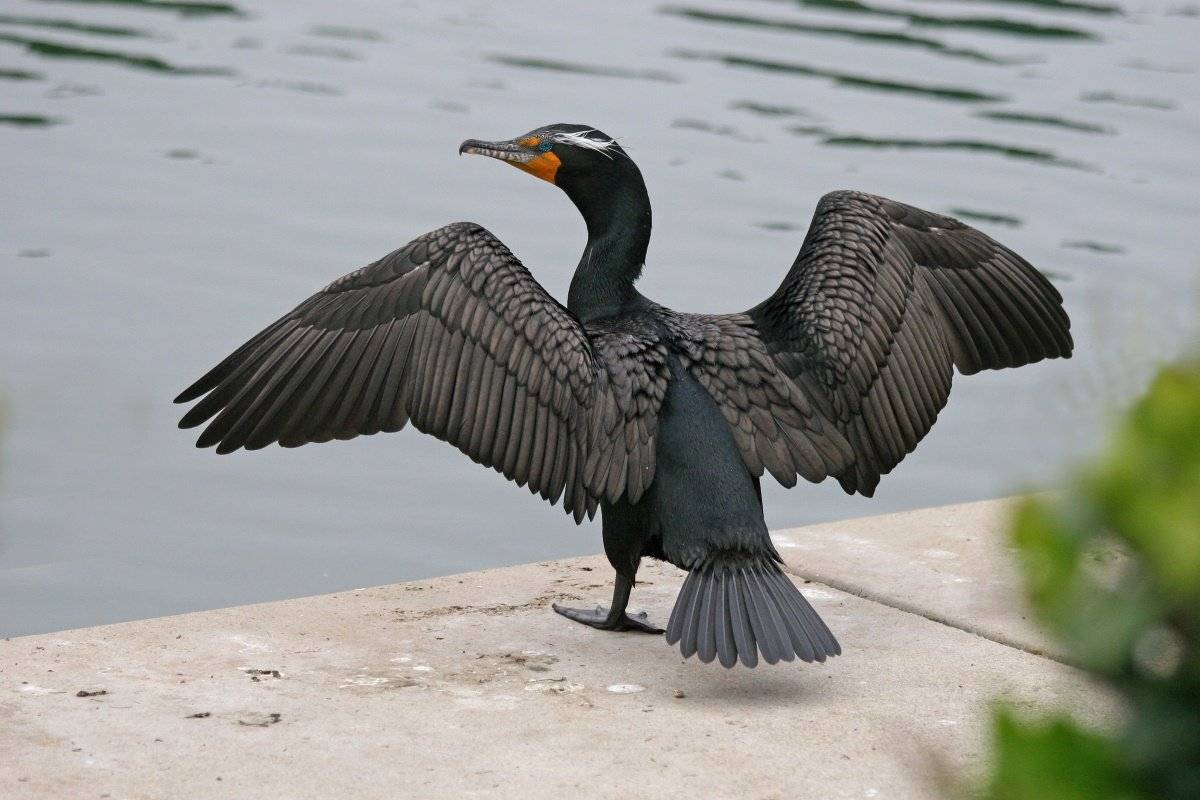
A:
[(183, 7), (1048, 120), (969, 145), (49, 49), (73, 27), (954, 93), (1133, 101), (29, 120), (874, 36), (988, 24), (319, 51), (1048, 157), (553, 65), (20, 75), (769, 109), (343, 32), (693, 124), (1099, 9), (1094, 246), (304, 87), (986, 216)]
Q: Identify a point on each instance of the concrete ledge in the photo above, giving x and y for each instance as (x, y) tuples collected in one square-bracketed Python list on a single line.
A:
[(952, 564), (469, 686)]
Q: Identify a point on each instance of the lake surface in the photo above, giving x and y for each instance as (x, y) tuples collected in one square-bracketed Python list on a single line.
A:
[(175, 175)]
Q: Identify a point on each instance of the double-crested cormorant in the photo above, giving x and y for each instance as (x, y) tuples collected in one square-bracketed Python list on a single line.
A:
[(664, 421)]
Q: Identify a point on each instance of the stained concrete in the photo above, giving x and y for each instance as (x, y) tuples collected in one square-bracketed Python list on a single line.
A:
[(469, 686)]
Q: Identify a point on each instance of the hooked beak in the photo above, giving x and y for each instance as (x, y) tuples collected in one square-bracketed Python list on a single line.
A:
[(521, 153), (508, 151)]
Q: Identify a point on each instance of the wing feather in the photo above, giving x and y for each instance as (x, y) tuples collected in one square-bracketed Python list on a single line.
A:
[(882, 303), (452, 332), (775, 426)]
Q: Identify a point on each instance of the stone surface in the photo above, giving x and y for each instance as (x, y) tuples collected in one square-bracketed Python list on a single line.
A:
[(469, 686), (952, 564)]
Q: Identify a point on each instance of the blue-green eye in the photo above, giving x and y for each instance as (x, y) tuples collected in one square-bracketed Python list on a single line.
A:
[(546, 145)]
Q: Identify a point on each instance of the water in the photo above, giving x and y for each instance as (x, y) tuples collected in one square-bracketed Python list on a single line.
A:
[(175, 175)]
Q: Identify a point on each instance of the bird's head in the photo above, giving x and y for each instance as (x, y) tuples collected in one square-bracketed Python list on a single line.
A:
[(578, 159)]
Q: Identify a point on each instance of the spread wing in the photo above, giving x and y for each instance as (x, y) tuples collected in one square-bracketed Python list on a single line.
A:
[(882, 302), (775, 425), (452, 332)]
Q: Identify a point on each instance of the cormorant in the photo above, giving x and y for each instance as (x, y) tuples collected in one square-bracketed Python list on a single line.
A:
[(664, 421)]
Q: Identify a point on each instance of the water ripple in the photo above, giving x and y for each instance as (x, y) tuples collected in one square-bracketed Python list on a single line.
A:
[(343, 32), (1018, 152), (998, 25), (20, 75), (1133, 101), (553, 65), (876, 36), (72, 27), (954, 93), (777, 225), (1096, 9), (769, 109), (993, 217), (1047, 120), (185, 8), (1094, 246), (692, 124), (48, 49), (1145, 65), (304, 87), (967, 145), (29, 120), (318, 51)]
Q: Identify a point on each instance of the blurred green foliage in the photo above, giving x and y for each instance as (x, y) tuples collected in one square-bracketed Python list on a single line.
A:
[(1113, 569)]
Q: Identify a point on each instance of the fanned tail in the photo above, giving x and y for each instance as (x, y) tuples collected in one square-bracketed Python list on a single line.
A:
[(735, 606)]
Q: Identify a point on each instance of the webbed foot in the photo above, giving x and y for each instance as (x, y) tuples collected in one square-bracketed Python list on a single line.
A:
[(602, 619)]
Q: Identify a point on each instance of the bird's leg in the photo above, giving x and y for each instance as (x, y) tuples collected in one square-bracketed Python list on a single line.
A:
[(611, 619)]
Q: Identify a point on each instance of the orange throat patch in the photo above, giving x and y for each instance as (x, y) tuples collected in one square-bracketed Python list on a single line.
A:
[(544, 166)]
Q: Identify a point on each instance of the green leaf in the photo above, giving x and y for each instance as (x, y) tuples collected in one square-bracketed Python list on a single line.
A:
[(1055, 760), (1148, 488), (1074, 581), (1114, 571)]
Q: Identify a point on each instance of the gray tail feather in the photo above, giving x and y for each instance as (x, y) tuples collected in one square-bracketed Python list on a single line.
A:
[(734, 606)]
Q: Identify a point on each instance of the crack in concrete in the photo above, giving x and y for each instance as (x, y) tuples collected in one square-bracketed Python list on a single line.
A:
[(933, 616)]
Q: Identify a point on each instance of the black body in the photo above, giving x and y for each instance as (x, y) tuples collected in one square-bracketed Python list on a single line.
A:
[(663, 421)]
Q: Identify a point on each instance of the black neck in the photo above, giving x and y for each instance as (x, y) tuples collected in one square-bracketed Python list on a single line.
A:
[(618, 224)]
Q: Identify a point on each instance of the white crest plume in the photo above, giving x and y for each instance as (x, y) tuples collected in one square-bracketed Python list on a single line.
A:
[(581, 139)]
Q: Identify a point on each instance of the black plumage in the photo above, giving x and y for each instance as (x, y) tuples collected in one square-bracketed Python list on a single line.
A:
[(664, 421)]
